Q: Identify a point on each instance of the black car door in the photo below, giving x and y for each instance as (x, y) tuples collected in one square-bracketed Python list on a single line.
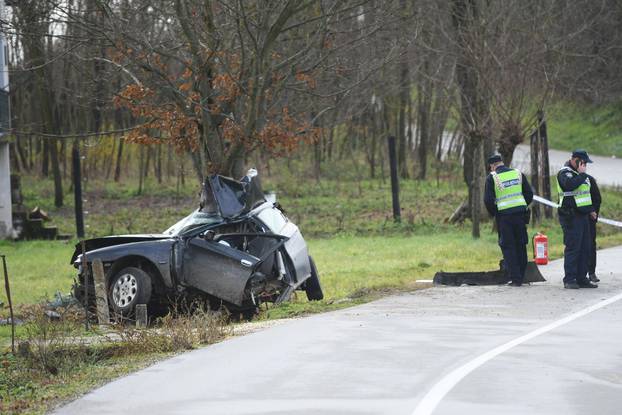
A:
[(217, 268)]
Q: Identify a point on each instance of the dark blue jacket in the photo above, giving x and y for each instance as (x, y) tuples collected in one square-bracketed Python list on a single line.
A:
[(489, 195), (595, 193), (569, 181)]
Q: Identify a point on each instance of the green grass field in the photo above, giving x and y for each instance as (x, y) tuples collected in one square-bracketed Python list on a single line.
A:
[(349, 265), (597, 129)]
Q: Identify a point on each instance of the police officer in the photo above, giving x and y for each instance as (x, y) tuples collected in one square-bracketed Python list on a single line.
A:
[(506, 196), (575, 210)]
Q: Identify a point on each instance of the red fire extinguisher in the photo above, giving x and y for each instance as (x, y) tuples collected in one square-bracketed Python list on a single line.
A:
[(541, 249)]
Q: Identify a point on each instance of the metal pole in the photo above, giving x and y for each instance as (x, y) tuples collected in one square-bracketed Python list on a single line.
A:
[(8, 296), (77, 191), (395, 186)]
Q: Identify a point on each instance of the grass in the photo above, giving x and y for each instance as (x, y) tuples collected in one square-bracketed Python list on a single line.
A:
[(38, 269), (321, 209), (27, 391), (61, 364), (596, 129)]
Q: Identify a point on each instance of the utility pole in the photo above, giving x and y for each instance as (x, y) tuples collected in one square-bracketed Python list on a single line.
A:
[(6, 210)]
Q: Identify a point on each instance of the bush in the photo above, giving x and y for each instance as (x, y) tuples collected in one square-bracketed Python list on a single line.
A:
[(177, 331), (52, 343)]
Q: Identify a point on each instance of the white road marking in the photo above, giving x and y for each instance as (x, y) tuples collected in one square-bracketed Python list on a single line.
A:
[(430, 401)]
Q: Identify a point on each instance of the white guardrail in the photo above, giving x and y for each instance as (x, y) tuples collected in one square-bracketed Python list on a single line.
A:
[(551, 204)]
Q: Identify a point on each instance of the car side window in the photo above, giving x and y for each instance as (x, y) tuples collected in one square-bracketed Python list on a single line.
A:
[(273, 219)]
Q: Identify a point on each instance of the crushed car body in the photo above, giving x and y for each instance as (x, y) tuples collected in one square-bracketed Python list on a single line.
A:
[(236, 250)]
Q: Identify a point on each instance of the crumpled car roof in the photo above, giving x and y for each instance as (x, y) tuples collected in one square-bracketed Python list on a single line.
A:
[(230, 198)]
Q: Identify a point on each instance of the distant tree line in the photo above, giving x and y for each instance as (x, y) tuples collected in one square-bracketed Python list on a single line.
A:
[(217, 82)]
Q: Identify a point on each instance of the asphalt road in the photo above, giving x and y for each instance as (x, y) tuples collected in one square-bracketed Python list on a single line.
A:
[(536, 349)]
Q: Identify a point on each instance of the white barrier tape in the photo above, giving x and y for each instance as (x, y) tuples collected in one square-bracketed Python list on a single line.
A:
[(544, 201), (610, 222), (602, 220)]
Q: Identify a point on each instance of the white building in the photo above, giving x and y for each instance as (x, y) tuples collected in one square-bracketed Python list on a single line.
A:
[(6, 220)]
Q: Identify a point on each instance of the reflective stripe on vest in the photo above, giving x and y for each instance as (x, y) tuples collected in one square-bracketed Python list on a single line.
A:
[(508, 189), (582, 195)]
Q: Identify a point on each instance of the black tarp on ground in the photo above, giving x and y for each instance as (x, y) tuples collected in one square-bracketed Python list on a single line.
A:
[(532, 274)]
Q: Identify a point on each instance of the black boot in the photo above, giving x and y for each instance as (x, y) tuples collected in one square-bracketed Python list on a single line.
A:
[(571, 285), (586, 284)]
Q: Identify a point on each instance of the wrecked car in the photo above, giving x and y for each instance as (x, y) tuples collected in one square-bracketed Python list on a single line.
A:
[(236, 250)]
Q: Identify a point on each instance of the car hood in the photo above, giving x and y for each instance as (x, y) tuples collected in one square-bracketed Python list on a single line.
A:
[(96, 243)]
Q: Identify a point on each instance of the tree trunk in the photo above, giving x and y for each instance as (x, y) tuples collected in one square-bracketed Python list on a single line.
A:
[(546, 178), (474, 111), (401, 123), (117, 169), (535, 175), (140, 170), (63, 158), (45, 158), (21, 153), (424, 122), (477, 194), (58, 185), (158, 164), (147, 160), (169, 161)]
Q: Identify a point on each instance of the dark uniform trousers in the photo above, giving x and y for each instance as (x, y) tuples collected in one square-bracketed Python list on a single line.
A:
[(578, 241), (591, 260), (513, 242)]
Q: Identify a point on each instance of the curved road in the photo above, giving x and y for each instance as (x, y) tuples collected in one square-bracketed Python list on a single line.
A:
[(536, 349)]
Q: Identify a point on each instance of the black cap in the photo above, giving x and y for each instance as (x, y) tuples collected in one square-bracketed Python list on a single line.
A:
[(495, 158), (582, 154)]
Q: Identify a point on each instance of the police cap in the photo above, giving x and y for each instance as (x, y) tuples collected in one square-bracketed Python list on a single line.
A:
[(582, 154), (495, 158)]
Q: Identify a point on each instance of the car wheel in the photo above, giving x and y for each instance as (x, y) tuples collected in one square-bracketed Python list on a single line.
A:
[(312, 284), (129, 287)]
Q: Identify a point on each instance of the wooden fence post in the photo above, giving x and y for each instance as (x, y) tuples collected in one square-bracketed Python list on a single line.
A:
[(8, 296), (141, 315), (101, 292)]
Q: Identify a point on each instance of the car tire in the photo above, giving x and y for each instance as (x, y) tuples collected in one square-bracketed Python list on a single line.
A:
[(129, 287), (312, 284)]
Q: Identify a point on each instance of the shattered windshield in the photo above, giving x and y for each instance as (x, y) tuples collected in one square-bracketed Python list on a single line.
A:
[(193, 220)]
